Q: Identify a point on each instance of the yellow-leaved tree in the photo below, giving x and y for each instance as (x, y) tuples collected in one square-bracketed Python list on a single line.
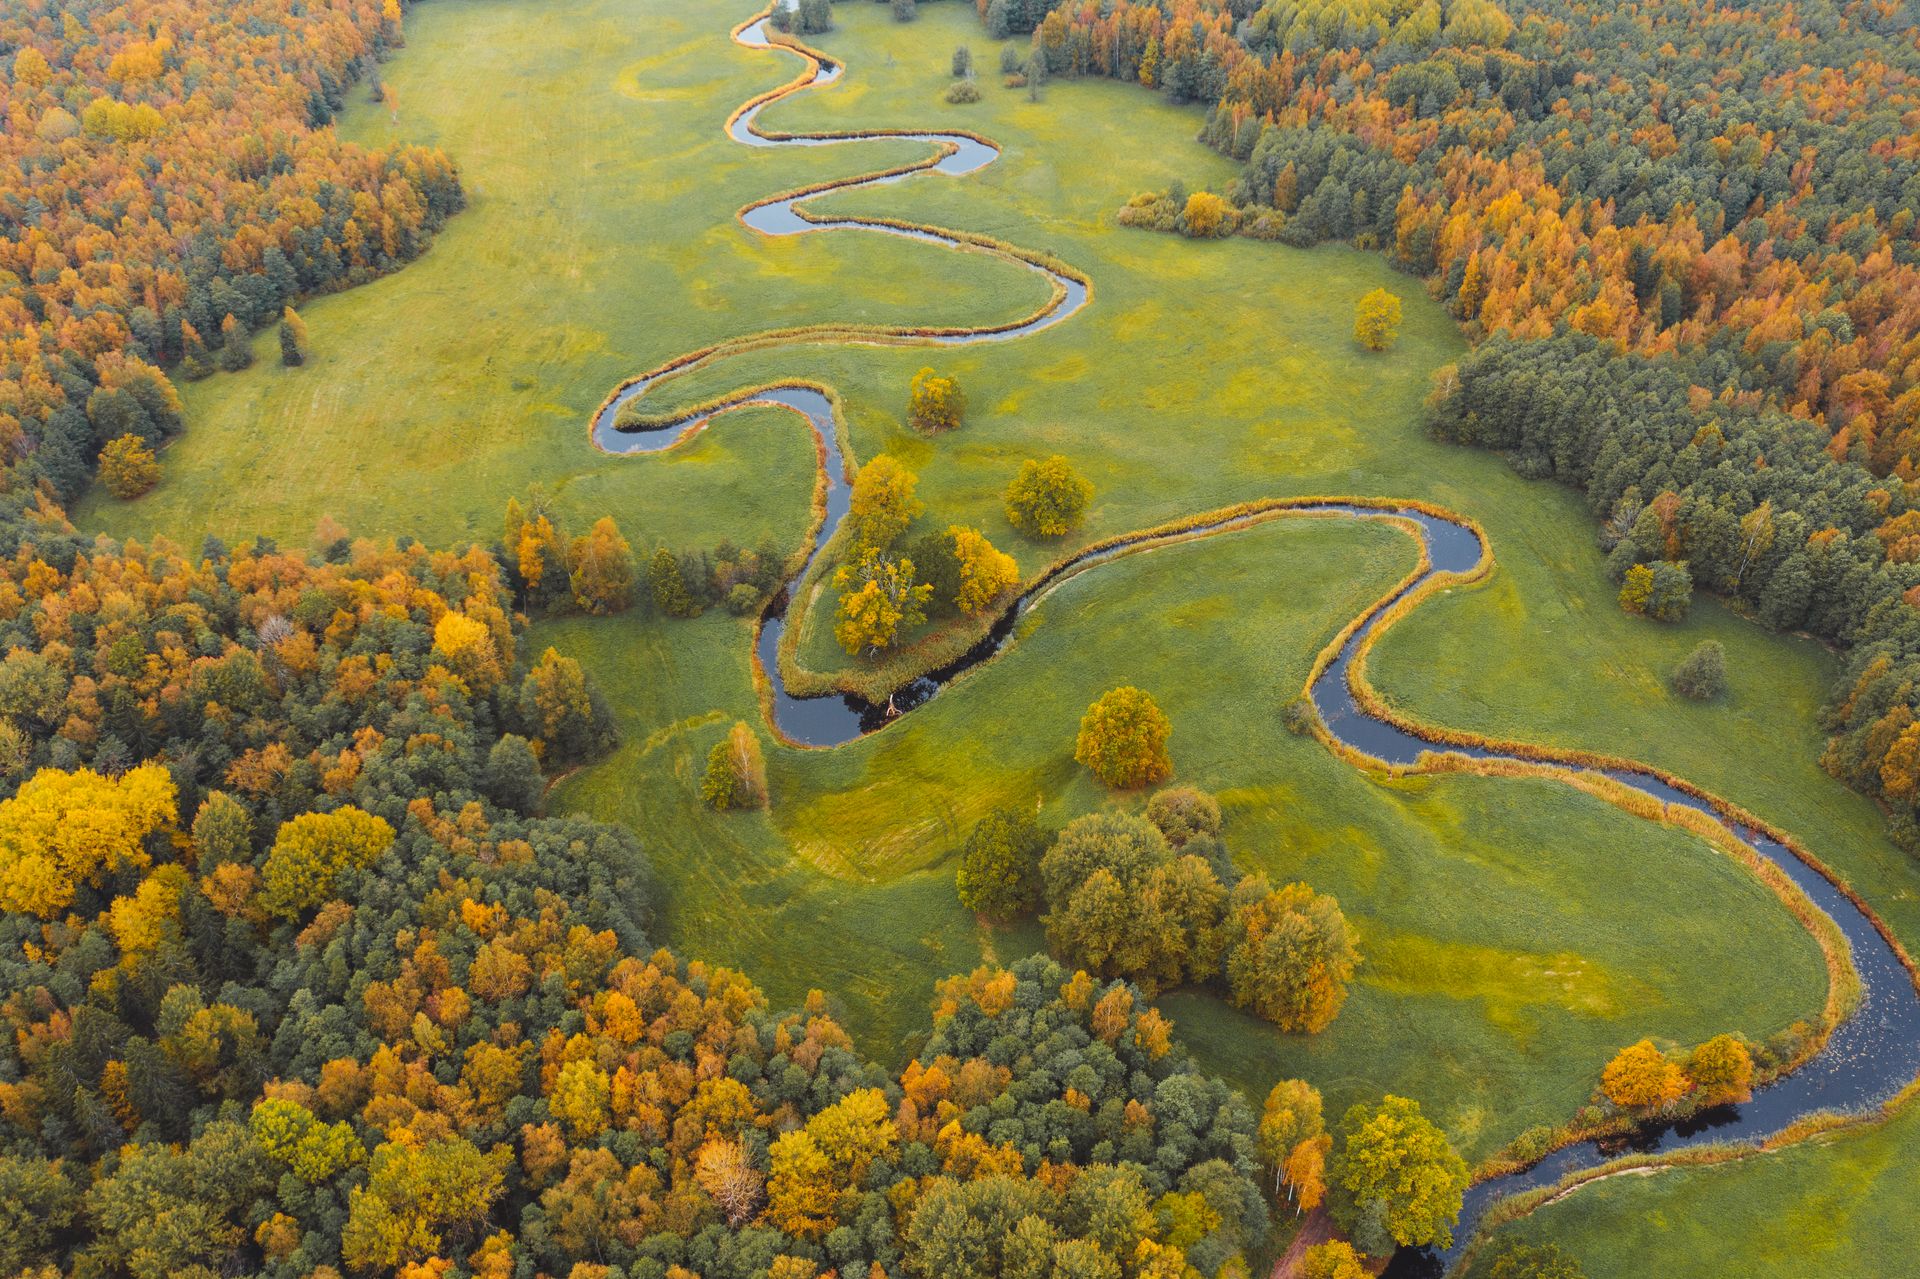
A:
[(62, 830), (313, 850), (986, 572)]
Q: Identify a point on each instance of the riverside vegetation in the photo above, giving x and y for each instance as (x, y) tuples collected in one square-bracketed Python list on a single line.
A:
[(342, 983)]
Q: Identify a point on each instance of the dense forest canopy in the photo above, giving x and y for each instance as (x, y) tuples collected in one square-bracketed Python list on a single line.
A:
[(170, 186)]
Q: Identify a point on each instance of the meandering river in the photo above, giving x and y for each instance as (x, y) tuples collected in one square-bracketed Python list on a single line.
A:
[(1871, 1055)]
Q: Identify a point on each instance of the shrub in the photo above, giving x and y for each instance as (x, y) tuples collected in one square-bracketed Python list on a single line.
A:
[(1123, 739), (1702, 676), (1182, 812), (963, 61), (1516, 1260), (743, 599), (1009, 60), (905, 10), (128, 467), (1046, 499), (963, 91)]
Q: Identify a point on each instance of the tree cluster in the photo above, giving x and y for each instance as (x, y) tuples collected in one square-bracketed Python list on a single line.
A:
[(1156, 901)]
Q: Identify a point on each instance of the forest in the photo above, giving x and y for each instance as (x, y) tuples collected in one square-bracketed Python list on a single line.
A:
[(312, 965)]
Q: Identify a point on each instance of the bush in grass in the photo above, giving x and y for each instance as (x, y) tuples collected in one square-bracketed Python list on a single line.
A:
[(1516, 1260), (743, 599), (961, 92), (905, 10), (1009, 60), (1702, 676), (934, 402), (1183, 812), (963, 61)]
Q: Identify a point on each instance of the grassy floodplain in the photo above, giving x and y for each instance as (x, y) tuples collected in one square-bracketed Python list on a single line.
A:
[(1516, 933)]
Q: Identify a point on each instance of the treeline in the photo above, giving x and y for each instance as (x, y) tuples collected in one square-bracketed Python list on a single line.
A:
[(168, 186), (1664, 176), (1736, 496)]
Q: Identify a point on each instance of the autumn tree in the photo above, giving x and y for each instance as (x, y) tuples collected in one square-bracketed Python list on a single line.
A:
[(293, 338), (1376, 320), (128, 467), (1206, 215), (935, 402), (736, 774), (62, 831), (602, 569), (559, 711), (1123, 739), (1722, 1070), (999, 874), (1290, 954), (1047, 498), (985, 573), (878, 598), (1394, 1157), (312, 851), (1293, 1143), (420, 1200), (236, 345), (1334, 1259), (882, 503), (1641, 1077)]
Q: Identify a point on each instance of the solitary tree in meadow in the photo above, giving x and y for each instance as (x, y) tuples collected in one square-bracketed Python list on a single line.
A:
[(1123, 739), (1376, 320), (736, 774), (934, 403), (128, 467), (1046, 499), (293, 338)]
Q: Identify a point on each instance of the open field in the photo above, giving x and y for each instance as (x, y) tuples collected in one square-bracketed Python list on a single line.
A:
[(1512, 942), (1841, 1208), (1516, 933)]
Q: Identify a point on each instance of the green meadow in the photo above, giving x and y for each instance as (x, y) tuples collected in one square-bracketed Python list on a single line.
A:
[(1515, 933)]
